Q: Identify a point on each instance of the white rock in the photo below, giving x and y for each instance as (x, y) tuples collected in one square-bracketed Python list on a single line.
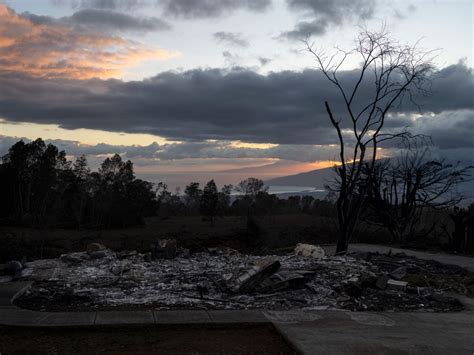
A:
[(309, 250)]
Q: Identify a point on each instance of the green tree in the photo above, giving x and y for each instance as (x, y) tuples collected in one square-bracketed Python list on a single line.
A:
[(224, 197), (192, 197), (209, 203), (250, 187)]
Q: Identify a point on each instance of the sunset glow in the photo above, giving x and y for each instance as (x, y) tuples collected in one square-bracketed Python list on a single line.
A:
[(188, 90), (62, 52)]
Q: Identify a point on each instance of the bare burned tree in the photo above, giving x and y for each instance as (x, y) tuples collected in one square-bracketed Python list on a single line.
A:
[(390, 72), (400, 191)]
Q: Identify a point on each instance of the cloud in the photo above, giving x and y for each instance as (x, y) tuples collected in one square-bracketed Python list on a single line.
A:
[(103, 4), (206, 149), (281, 107), (44, 48), (102, 20), (264, 61), (185, 9), (111, 20), (402, 13), (195, 9), (232, 60), (323, 14), (150, 154), (231, 38), (448, 129)]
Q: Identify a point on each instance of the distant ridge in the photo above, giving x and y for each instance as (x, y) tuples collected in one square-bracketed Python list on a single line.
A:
[(262, 169), (321, 177), (314, 178)]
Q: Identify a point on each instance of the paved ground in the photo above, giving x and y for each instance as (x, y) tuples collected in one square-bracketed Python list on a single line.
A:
[(12, 315), (463, 261), (311, 332), (377, 333)]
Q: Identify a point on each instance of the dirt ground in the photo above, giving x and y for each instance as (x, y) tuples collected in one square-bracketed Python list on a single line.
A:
[(191, 232), (278, 233), (144, 340)]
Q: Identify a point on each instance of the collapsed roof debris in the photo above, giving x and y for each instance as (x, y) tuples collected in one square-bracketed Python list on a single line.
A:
[(222, 278)]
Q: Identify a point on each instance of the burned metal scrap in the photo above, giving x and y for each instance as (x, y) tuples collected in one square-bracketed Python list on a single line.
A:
[(255, 275)]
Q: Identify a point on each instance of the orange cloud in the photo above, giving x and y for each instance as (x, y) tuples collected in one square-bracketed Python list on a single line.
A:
[(59, 51)]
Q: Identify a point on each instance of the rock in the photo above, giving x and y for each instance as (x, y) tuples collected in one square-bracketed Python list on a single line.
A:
[(99, 254), (95, 247), (309, 250), (164, 249), (399, 273), (253, 277), (397, 285), (381, 282)]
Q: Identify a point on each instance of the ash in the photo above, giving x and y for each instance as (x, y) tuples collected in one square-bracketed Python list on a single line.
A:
[(220, 279)]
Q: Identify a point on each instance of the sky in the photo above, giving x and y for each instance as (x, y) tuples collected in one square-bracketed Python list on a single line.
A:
[(194, 89)]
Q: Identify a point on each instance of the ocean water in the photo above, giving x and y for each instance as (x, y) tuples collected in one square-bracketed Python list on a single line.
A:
[(179, 181), (293, 189)]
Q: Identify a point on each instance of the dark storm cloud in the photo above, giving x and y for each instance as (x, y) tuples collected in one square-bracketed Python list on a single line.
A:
[(190, 9), (103, 4), (449, 129), (211, 8), (230, 38), (321, 14), (103, 20), (112, 20), (284, 107)]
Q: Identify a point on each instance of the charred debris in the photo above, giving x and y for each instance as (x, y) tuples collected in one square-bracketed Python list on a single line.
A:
[(170, 277)]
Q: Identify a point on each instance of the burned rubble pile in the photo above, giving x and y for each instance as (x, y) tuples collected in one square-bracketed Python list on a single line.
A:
[(170, 277)]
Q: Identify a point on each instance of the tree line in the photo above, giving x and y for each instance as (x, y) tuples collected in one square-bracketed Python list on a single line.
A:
[(41, 187)]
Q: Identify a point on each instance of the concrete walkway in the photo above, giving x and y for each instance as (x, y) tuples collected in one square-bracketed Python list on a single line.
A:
[(11, 315), (340, 332), (310, 332), (462, 261)]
